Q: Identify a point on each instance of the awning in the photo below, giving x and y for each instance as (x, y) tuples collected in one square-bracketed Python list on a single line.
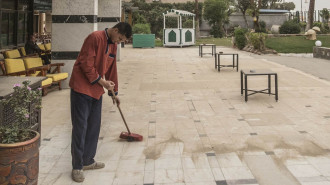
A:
[(177, 13)]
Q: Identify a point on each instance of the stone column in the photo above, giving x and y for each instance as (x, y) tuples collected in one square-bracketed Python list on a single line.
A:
[(72, 22), (109, 15)]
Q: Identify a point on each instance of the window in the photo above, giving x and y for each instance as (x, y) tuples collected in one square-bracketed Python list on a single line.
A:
[(4, 29), (13, 22), (8, 4), (22, 28), (7, 29)]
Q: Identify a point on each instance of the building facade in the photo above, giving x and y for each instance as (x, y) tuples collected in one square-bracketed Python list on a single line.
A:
[(19, 18)]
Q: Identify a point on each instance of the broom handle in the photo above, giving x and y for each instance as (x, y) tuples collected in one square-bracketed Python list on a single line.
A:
[(121, 113)]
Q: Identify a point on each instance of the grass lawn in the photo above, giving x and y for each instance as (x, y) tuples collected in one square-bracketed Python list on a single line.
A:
[(216, 41), (295, 44)]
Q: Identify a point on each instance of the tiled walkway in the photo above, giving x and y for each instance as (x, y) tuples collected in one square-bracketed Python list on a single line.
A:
[(197, 128)]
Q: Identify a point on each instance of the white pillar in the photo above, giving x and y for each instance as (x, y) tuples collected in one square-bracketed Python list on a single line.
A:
[(72, 22), (109, 13), (42, 23), (193, 22)]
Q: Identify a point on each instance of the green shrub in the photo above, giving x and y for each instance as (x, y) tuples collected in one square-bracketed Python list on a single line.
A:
[(257, 40), (171, 22), (290, 27), (141, 29), (318, 24), (323, 27), (216, 31), (139, 18), (302, 25), (262, 27), (326, 29), (187, 24), (240, 39)]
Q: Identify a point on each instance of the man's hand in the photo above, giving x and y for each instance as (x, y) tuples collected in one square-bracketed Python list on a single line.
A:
[(109, 85)]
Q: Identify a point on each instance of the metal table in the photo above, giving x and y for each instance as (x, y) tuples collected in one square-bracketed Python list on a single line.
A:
[(217, 62), (201, 49), (258, 72)]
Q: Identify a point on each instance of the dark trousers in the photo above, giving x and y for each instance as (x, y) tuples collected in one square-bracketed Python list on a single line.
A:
[(86, 122)]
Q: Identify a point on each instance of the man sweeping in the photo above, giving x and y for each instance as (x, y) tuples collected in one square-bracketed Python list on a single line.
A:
[(94, 70)]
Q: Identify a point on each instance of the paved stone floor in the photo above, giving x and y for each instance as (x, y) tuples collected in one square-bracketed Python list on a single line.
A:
[(197, 128)]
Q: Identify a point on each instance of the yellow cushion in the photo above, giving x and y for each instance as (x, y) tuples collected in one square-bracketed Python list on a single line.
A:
[(42, 46), (32, 62), (23, 51), (12, 54), (14, 65), (48, 81), (48, 46), (58, 76)]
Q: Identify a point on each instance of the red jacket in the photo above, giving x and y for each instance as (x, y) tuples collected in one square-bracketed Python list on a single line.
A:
[(97, 59)]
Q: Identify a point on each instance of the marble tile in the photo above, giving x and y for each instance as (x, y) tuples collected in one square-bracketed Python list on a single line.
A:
[(98, 177), (168, 176), (149, 165), (131, 165), (168, 162), (198, 175), (234, 173), (217, 173), (303, 171), (196, 161), (229, 160), (149, 177), (128, 178)]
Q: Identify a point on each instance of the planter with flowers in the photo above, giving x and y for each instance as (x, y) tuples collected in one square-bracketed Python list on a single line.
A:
[(19, 146)]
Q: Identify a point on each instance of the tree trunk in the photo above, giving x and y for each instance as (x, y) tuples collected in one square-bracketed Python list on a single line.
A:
[(311, 14), (246, 23), (197, 20)]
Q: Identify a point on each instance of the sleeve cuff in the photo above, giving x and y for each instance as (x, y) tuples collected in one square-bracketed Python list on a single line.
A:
[(110, 94), (95, 81)]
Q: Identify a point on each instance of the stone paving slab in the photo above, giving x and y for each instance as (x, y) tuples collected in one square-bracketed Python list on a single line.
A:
[(197, 127)]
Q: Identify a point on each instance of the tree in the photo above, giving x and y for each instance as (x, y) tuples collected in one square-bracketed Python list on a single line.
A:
[(215, 12), (197, 19), (269, 4), (287, 6), (243, 5), (311, 14), (253, 11), (272, 3), (325, 15)]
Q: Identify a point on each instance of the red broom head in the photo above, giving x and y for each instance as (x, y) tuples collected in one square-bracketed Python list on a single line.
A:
[(131, 136)]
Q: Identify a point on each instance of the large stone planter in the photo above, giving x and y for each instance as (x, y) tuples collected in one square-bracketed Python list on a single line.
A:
[(19, 162), (143, 40), (321, 52)]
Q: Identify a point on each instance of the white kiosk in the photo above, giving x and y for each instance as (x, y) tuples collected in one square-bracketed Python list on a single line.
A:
[(178, 36)]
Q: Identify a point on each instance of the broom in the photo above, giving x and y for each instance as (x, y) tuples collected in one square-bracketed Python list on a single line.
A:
[(126, 135)]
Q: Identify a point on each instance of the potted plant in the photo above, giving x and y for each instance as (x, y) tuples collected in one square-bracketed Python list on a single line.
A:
[(19, 146)]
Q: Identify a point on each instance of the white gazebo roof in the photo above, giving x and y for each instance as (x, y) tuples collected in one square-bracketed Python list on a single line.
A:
[(177, 13)]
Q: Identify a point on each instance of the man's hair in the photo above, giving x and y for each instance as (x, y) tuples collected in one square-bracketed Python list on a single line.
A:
[(124, 29)]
